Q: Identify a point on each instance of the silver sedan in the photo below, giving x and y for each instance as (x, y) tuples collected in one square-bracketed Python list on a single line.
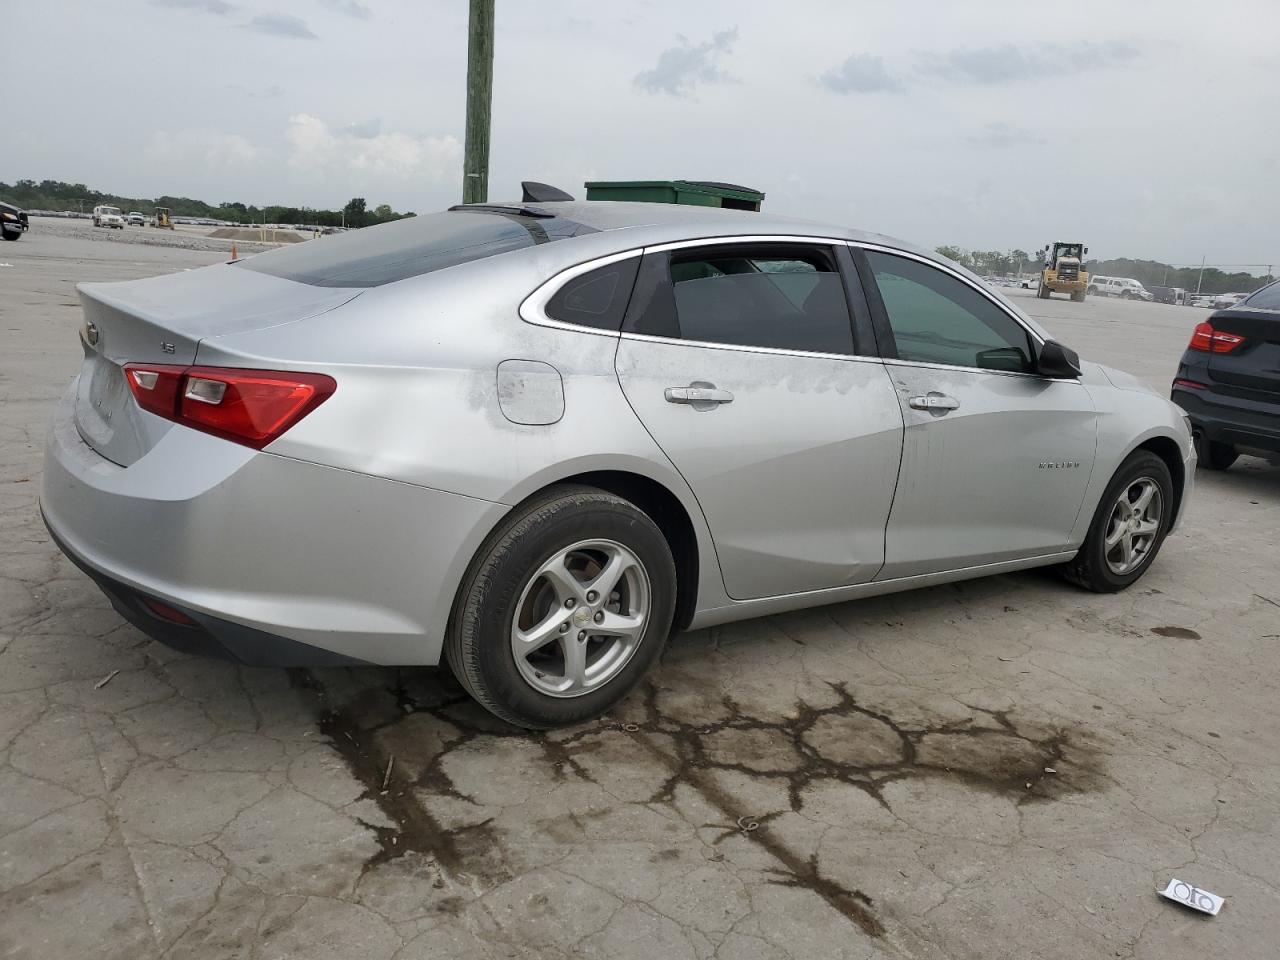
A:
[(535, 439)]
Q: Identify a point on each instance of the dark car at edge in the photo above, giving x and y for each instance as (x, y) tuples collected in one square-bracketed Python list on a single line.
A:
[(1228, 380), (13, 221)]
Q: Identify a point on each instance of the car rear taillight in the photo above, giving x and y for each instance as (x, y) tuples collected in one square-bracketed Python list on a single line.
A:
[(1209, 340), (252, 407)]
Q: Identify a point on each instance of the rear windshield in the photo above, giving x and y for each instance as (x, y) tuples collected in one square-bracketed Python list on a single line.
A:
[(407, 248), (1268, 298)]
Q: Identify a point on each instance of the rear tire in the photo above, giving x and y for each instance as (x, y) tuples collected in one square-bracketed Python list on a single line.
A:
[(1078, 297), (11, 236), (1104, 564), (1092, 291), (522, 639), (1215, 455)]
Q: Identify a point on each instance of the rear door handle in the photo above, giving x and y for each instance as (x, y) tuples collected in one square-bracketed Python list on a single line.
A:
[(934, 401), (698, 393)]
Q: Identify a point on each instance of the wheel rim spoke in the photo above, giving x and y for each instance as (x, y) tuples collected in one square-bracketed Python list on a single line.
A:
[(575, 665), (619, 625), (563, 582), (546, 630), (605, 582)]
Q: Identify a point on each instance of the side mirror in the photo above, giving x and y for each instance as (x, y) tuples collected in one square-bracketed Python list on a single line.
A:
[(1057, 362)]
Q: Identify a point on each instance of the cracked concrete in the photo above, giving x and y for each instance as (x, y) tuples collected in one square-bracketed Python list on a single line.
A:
[(1001, 768)]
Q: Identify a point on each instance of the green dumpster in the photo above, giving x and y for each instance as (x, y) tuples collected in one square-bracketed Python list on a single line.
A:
[(700, 193)]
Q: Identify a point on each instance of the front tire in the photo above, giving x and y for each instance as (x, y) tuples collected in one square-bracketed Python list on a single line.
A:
[(1078, 297), (1128, 527), (11, 236), (564, 609)]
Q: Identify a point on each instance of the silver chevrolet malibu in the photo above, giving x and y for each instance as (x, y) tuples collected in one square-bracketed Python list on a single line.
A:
[(533, 439)]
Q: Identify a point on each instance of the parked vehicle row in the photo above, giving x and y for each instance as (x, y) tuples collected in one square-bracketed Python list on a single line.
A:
[(713, 415)]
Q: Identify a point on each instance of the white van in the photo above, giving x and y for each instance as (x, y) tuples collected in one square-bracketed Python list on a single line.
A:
[(108, 217), (1126, 288)]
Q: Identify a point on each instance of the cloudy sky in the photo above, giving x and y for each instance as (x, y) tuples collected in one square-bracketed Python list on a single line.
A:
[(1148, 130)]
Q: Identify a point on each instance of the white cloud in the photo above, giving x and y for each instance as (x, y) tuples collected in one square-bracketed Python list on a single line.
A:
[(314, 146)]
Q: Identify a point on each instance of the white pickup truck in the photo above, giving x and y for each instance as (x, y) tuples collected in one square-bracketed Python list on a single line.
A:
[(1125, 288)]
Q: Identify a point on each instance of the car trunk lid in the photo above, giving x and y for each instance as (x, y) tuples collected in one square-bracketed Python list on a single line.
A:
[(162, 320), (1254, 364)]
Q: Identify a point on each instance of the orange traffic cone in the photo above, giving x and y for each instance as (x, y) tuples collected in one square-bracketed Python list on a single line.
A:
[(233, 251)]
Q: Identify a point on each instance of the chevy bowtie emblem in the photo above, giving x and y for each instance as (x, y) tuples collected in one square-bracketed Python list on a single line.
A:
[(91, 333)]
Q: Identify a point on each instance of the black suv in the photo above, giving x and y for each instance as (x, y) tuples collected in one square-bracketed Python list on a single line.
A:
[(13, 222), (1229, 380)]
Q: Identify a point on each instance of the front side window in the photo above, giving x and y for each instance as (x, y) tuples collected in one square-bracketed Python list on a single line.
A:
[(936, 318), (781, 296)]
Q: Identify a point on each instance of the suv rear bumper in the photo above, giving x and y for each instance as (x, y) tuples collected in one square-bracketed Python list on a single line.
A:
[(1231, 420)]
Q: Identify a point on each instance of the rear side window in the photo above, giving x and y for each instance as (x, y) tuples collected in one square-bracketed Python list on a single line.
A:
[(936, 318), (407, 248), (787, 297), (597, 298), (1268, 298)]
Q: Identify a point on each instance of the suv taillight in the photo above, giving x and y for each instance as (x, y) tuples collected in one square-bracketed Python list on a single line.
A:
[(253, 407), (1209, 340)]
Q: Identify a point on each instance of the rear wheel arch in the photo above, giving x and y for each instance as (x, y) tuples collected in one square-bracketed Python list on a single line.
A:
[(665, 509), (651, 497)]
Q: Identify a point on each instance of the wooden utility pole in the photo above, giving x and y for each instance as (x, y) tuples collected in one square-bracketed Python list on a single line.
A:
[(475, 161)]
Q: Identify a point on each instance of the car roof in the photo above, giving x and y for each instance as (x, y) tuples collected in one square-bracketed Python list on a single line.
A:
[(627, 225)]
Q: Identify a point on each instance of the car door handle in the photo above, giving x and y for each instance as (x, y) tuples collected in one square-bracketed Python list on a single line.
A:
[(697, 393), (934, 401)]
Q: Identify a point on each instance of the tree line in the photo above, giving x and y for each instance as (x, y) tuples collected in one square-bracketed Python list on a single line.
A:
[(57, 195), (1147, 272)]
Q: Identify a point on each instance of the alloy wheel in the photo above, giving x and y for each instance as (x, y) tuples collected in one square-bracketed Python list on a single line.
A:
[(580, 618), (1133, 526)]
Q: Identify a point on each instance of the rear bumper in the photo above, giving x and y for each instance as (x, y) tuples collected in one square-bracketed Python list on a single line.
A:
[(268, 555), (1232, 420), (204, 636)]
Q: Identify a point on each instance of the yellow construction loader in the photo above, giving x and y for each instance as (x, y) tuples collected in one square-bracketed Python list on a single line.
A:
[(1063, 270), (162, 219)]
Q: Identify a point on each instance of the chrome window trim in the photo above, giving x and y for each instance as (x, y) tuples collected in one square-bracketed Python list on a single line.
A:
[(895, 362), (533, 309), (744, 348)]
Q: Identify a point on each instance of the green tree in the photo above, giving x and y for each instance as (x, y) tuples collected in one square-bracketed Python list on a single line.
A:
[(355, 212)]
